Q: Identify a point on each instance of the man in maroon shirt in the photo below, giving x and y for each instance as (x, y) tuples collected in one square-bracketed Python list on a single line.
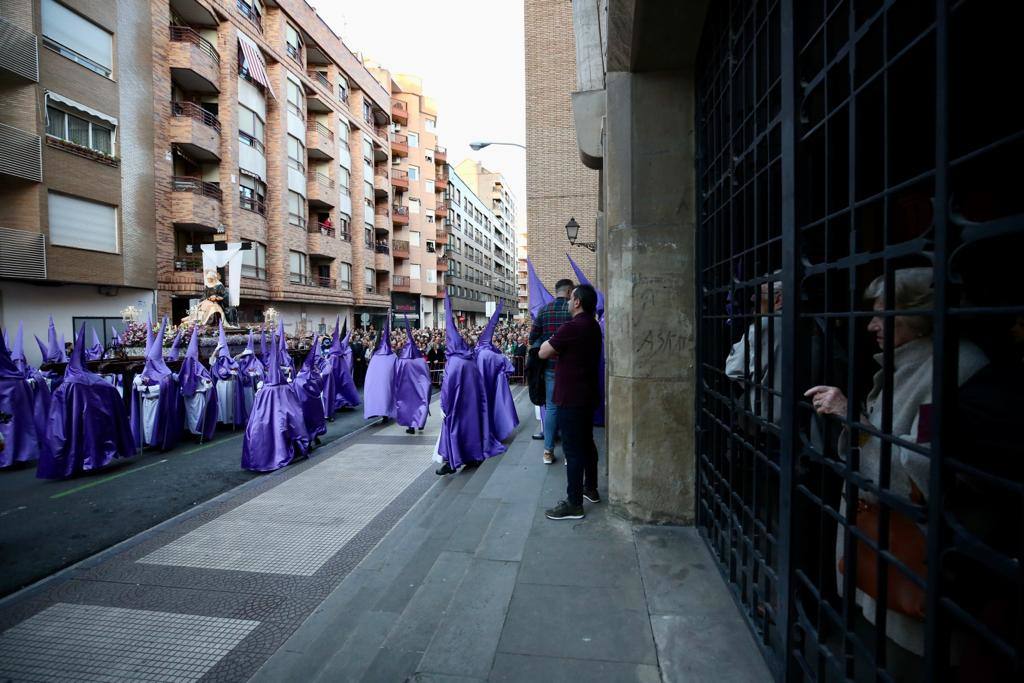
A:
[(577, 344)]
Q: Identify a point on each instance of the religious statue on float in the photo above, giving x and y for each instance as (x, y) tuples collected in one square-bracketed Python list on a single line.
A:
[(214, 294)]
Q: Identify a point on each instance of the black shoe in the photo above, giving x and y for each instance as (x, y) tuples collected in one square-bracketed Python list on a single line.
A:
[(539, 436), (444, 470), (472, 464), (383, 421), (410, 430), (592, 496), (565, 510)]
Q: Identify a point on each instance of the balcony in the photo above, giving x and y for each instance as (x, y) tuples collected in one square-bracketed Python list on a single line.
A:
[(400, 248), (400, 283), (399, 180), (441, 210), (442, 264), (19, 52), (21, 154), (319, 141), (399, 112), (382, 262), (440, 155), (382, 217), (196, 131), (188, 264), (320, 239), (381, 184), (320, 192), (441, 238), (441, 180), (250, 14), (400, 215), (195, 204), (399, 145), (194, 61)]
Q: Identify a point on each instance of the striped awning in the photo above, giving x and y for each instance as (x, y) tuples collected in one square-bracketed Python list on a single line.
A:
[(253, 60)]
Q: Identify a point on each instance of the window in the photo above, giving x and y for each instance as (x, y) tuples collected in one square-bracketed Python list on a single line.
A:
[(370, 278), (414, 271), (295, 99), (367, 112), (431, 275), (428, 156), (414, 206), (254, 262), (414, 139), (414, 173), (75, 37), (428, 186), (252, 192), (343, 89), (297, 265), (293, 43), (431, 248), (79, 131), (343, 229), (343, 180), (250, 129), (414, 239), (429, 124), (345, 275), (296, 209), (368, 236), (430, 215), (82, 224), (296, 154), (367, 148)]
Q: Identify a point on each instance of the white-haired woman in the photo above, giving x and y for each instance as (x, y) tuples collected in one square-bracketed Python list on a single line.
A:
[(909, 473)]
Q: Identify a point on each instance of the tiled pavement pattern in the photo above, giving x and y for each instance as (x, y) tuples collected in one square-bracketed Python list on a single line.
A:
[(85, 642), (297, 526)]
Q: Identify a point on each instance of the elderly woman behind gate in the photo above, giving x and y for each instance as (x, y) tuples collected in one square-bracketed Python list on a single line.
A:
[(912, 396)]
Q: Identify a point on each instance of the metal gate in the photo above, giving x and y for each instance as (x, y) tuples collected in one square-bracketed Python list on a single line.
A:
[(861, 335)]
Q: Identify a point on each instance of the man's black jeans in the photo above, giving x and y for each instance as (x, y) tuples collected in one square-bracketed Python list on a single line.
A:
[(576, 426)]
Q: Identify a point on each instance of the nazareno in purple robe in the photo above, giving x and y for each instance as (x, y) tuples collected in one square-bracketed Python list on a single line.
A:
[(37, 382), (231, 404), (339, 388), (495, 368), (462, 400), (23, 439), (309, 386), (276, 433), (251, 371), (412, 385), (157, 409), (88, 425), (348, 394), (379, 388), (198, 392), (284, 357), (53, 352), (94, 352), (174, 351)]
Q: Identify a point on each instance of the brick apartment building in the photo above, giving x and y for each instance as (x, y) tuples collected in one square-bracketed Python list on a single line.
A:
[(558, 185), (230, 120)]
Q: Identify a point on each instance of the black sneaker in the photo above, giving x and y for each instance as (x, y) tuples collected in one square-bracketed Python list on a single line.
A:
[(564, 510), (592, 496), (539, 436), (410, 430), (443, 470)]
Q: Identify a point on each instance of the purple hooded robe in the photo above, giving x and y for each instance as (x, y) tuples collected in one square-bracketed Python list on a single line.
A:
[(37, 382), (88, 426), (309, 386), (263, 345), (157, 410), (225, 373), (53, 352), (251, 371), (276, 432), (173, 352), (198, 392), (412, 385), (24, 441), (379, 389), (538, 293), (284, 357), (340, 389), (462, 400), (94, 352), (495, 368)]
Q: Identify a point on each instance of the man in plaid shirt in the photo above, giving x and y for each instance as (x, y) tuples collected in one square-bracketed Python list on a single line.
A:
[(550, 317)]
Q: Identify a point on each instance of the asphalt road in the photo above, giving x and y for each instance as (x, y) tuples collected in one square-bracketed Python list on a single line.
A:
[(48, 525)]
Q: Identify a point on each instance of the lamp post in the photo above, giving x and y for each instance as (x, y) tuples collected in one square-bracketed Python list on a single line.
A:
[(477, 146), (572, 231)]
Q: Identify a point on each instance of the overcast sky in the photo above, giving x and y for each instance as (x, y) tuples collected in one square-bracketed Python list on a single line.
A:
[(470, 56)]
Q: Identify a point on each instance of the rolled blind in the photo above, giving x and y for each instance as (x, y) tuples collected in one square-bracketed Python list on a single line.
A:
[(82, 224), (63, 26)]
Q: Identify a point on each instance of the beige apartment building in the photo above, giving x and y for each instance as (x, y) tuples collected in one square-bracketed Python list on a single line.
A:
[(122, 150), (522, 273), (419, 212)]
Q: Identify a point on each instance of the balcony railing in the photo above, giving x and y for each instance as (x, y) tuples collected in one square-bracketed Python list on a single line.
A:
[(251, 141), (442, 261), (188, 264), (400, 281), (322, 179), (400, 246), (186, 34), (250, 13), (180, 183), (400, 210), (346, 285), (320, 78), (440, 154), (398, 138), (345, 233), (325, 282), (194, 111), (294, 51), (342, 93), (399, 105), (382, 248), (321, 228), (320, 129), (399, 174), (252, 204)]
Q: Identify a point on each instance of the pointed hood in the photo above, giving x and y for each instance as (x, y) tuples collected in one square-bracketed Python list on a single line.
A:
[(149, 333), (18, 350), (484, 342), (193, 344), (63, 345), (263, 343), (222, 341), (273, 375), (582, 279), (454, 344), (42, 348), (155, 366), (8, 369), (54, 349), (7, 342), (282, 342), (409, 351), (95, 351), (309, 364), (336, 347), (173, 352), (249, 347), (115, 338), (76, 372), (384, 343), (345, 333), (538, 293)]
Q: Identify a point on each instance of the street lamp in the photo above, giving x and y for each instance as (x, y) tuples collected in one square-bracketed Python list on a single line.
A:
[(572, 231), (477, 146)]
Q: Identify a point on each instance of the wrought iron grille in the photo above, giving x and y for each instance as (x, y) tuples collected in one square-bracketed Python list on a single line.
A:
[(861, 334)]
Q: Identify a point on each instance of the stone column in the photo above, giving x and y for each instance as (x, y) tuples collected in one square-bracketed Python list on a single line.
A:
[(651, 322)]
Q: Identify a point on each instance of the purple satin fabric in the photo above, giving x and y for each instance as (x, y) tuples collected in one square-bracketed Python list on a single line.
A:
[(465, 413), (495, 369), (222, 372), (412, 392), (24, 440), (170, 414), (276, 432), (309, 387), (379, 388), (344, 385), (190, 375)]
